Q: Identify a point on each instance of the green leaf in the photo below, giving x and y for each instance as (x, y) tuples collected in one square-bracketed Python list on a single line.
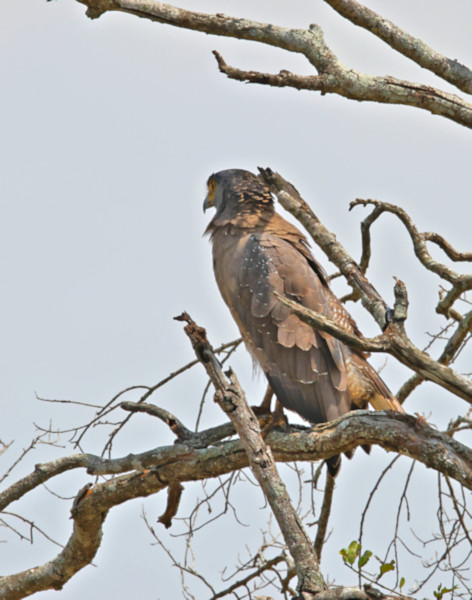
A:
[(353, 551), (439, 594), (364, 559), (385, 568), (350, 553), (402, 583)]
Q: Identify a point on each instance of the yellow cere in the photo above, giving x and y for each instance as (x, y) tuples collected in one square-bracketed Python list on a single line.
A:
[(211, 188)]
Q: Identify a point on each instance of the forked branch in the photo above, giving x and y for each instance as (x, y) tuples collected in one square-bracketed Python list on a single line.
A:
[(460, 283), (394, 340), (412, 47), (332, 76)]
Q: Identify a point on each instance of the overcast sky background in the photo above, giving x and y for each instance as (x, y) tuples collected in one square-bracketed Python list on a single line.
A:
[(109, 130)]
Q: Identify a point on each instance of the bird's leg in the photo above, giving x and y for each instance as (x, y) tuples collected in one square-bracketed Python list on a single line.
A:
[(278, 415), (275, 419), (265, 405), (267, 419), (263, 410)]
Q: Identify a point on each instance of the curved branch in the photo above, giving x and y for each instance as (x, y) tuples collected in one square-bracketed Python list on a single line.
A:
[(414, 48), (366, 238), (419, 242), (180, 463), (460, 283), (200, 439), (451, 252), (333, 76), (41, 474)]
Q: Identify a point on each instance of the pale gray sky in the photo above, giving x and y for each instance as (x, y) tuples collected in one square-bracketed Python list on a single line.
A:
[(109, 130)]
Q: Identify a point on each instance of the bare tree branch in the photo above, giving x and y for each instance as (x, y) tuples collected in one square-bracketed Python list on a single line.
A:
[(156, 469), (201, 439), (387, 429), (394, 340), (231, 398), (419, 244), (414, 48), (266, 566), (333, 76), (451, 350), (460, 282)]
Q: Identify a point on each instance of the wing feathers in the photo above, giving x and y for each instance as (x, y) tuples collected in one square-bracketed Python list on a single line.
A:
[(305, 368), (310, 371)]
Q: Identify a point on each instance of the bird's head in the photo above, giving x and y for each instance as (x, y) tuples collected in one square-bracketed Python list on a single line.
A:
[(236, 190)]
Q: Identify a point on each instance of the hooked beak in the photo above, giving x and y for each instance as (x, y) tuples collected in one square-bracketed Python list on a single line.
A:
[(208, 203)]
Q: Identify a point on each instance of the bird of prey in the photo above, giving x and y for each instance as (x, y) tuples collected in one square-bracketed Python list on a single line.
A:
[(256, 253)]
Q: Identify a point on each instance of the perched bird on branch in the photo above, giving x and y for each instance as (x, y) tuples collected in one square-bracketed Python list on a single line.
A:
[(256, 253)]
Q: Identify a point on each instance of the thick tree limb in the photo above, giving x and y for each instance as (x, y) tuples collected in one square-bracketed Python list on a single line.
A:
[(88, 516), (355, 85), (333, 76), (390, 430), (414, 48), (156, 469)]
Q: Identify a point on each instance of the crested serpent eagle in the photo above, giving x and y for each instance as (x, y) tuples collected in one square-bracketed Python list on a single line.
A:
[(255, 253)]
